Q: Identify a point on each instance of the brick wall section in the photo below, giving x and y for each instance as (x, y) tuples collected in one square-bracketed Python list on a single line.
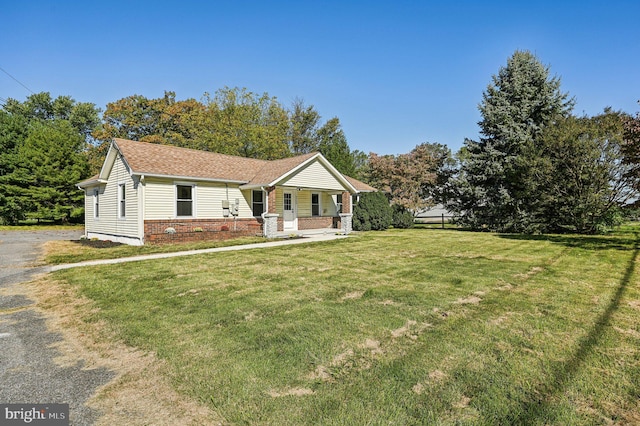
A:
[(346, 202), (313, 223), (271, 199), (212, 229)]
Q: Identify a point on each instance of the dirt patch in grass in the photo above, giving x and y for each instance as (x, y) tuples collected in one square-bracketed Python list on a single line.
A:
[(353, 295), (501, 319), (373, 346), (533, 271), (98, 244), (141, 390), (474, 300), (291, 392), (437, 376), (404, 330)]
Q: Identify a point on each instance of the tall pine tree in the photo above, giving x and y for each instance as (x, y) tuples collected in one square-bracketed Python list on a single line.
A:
[(495, 187)]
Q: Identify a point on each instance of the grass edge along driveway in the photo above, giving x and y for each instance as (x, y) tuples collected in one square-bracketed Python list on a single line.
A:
[(402, 327)]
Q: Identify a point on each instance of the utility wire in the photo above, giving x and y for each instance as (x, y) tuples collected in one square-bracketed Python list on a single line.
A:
[(16, 80)]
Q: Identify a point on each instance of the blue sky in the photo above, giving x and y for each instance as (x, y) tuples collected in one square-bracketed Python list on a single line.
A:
[(396, 73)]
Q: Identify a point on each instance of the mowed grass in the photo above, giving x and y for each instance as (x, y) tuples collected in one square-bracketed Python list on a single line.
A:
[(403, 327), (59, 252)]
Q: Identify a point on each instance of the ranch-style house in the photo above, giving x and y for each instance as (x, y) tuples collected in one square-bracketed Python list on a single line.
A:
[(148, 193)]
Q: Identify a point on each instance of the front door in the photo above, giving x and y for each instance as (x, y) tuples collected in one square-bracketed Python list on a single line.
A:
[(289, 217)]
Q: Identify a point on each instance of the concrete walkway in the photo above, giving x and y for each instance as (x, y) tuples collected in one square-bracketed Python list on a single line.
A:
[(310, 238)]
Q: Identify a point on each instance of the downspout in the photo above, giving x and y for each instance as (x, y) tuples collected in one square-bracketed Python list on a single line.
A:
[(141, 207), (266, 201)]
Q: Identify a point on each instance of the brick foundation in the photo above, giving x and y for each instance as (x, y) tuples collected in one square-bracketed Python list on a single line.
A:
[(313, 223), (200, 229)]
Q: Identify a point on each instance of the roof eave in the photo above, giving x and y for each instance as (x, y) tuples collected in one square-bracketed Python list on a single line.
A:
[(88, 183), (190, 178)]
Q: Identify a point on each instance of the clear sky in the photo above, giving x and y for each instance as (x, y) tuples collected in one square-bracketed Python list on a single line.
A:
[(396, 73)]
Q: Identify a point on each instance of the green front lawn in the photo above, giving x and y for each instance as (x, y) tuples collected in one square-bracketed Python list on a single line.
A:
[(419, 326)]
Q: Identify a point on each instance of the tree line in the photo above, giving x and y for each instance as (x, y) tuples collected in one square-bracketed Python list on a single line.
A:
[(48, 145), (536, 168)]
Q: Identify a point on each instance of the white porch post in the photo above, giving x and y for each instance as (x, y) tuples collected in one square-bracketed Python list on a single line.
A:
[(345, 220), (270, 225)]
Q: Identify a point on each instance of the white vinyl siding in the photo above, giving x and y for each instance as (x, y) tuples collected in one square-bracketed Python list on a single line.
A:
[(160, 198), (328, 205), (109, 221), (303, 208), (211, 195), (315, 175)]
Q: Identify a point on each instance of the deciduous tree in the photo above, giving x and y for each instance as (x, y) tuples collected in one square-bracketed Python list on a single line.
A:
[(582, 179), (411, 179)]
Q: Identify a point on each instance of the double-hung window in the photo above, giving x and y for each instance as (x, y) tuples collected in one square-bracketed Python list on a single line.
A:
[(122, 201), (184, 200), (339, 202), (258, 203), (315, 204)]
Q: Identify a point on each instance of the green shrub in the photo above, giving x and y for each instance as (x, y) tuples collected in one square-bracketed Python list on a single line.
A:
[(402, 218), (372, 212)]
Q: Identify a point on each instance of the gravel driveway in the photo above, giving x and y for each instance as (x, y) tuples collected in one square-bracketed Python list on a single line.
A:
[(28, 373)]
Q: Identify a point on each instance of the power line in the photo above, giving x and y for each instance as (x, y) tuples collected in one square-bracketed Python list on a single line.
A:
[(16, 80)]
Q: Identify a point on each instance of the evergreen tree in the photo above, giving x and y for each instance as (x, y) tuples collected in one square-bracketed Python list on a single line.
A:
[(495, 188), (43, 144), (334, 147), (372, 212), (51, 162)]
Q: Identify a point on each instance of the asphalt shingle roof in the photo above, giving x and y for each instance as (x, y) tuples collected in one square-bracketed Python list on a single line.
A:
[(168, 160)]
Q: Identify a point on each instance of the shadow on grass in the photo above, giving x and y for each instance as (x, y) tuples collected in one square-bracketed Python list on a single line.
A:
[(587, 242), (539, 408)]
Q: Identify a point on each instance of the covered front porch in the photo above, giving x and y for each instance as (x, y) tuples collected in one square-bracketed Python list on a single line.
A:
[(296, 210)]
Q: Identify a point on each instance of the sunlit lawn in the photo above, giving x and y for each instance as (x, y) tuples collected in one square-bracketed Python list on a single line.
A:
[(80, 250), (419, 326)]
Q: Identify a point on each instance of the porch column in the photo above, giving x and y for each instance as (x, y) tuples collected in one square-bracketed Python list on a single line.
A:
[(270, 217), (346, 202), (271, 199), (346, 215), (345, 220), (270, 225)]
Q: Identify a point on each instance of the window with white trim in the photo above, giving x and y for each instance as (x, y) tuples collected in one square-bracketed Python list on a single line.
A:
[(122, 201), (96, 203), (184, 200), (315, 204), (339, 202), (257, 199)]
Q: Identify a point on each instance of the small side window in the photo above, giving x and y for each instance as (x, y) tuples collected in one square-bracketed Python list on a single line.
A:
[(122, 201), (96, 203)]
